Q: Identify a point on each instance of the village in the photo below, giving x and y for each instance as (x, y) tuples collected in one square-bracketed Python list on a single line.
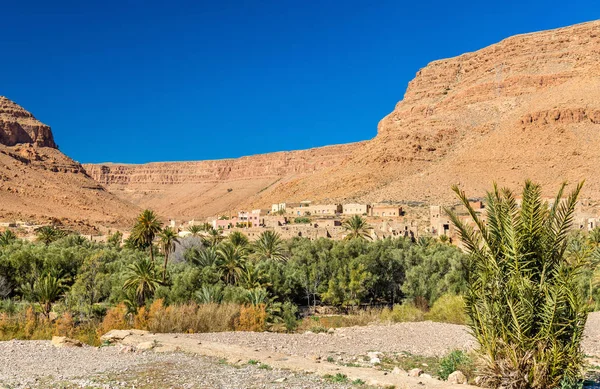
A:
[(313, 221)]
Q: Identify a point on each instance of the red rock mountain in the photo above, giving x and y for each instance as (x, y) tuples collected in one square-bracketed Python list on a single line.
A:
[(526, 107), (38, 183)]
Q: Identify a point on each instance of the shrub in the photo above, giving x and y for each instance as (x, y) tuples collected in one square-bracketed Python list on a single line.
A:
[(64, 325), (448, 309), (302, 220), (289, 315), (252, 318), (190, 318), (523, 301), (115, 319), (406, 312), (456, 360)]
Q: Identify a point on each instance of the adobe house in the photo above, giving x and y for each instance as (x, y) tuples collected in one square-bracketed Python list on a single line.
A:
[(385, 210), (356, 209)]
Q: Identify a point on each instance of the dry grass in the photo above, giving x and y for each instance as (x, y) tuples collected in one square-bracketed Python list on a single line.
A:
[(189, 318)]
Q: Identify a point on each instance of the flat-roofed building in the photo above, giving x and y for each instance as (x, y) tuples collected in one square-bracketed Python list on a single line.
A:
[(356, 209)]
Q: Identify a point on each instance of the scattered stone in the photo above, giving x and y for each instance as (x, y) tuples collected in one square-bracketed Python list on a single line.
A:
[(375, 361), (279, 380), (415, 372), (398, 371), (331, 331), (426, 376), (63, 341), (457, 377), (145, 346)]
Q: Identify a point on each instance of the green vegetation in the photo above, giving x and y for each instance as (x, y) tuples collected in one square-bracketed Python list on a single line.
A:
[(357, 228), (456, 360), (524, 300), (302, 220)]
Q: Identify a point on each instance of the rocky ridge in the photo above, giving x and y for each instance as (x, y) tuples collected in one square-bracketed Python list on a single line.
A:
[(526, 107), (39, 184), (19, 126)]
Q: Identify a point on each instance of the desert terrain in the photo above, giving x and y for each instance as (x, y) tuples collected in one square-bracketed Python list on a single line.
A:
[(526, 107), (248, 359)]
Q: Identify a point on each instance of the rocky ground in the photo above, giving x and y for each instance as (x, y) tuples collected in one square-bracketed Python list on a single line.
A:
[(422, 338), (260, 357), (38, 364)]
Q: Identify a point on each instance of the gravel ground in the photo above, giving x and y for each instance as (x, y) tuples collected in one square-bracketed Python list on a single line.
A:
[(591, 335), (423, 338), (38, 364)]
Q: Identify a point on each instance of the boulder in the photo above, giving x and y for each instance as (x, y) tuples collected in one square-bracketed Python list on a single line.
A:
[(118, 335), (457, 377), (375, 361), (398, 371), (63, 341), (415, 372)]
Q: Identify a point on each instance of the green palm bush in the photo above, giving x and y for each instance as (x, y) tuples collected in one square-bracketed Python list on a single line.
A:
[(357, 228), (269, 246), (142, 280), (524, 306)]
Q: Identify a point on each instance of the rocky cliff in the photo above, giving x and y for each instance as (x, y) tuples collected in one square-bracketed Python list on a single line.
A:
[(39, 184), (526, 107), (19, 126)]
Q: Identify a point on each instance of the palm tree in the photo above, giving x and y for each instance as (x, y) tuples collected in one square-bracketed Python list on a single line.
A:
[(238, 239), (357, 228), (231, 262), (524, 302), (7, 238), (213, 237), (168, 238), (142, 279), (49, 234), (269, 246), (46, 290), (195, 230), (147, 226)]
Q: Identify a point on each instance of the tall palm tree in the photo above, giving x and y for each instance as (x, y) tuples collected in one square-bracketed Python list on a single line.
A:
[(524, 302), (195, 230), (142, 280), (231, 262), (146, 227), (269, 246), (46, 290), (357, 228), (168, 238)]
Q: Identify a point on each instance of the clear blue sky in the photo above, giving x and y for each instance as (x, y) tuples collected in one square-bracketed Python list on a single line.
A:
[(140, 81)]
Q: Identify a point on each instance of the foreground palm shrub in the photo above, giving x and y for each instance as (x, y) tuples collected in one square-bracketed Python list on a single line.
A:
[(524, 306)]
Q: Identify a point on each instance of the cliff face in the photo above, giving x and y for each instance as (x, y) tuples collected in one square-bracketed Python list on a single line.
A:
[(526, 107), (40, 184), (19, 126)]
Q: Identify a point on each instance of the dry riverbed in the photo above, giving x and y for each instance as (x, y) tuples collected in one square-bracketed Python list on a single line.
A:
[(221, 360)]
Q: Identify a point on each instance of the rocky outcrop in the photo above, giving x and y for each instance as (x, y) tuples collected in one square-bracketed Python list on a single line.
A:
[(526, 107), (19, 126)]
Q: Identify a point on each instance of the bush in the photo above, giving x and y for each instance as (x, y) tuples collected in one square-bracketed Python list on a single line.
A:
[(448, 309), (188, 318), (523, 301), (115, 319), (456, 360), (301, 220), (406, 312), (252, 318), (290, 316)]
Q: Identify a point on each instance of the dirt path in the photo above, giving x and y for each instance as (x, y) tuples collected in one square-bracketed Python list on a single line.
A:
[(234, 353)]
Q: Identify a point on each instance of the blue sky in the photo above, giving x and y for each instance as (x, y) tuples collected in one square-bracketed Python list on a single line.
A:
[(141, 81)]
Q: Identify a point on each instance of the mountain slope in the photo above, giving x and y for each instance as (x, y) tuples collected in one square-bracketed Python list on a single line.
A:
[(526, 107), (39, 183)]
